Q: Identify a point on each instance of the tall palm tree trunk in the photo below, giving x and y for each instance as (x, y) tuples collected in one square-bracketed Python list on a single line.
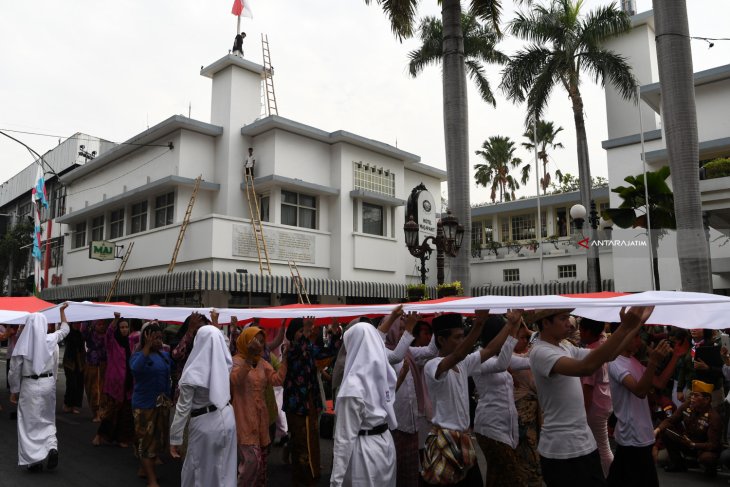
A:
[(456, 133), (584, 179), (679, 119)]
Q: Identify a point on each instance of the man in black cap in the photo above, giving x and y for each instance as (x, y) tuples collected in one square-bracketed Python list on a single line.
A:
[(567, 448), (447, 384)]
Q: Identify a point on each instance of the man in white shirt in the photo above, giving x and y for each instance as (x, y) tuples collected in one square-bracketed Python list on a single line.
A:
[(447, 384), (630, 383), (249, 162), (568, 452)]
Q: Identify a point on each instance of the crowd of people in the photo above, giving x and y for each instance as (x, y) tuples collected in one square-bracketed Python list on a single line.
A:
[(548, 399)]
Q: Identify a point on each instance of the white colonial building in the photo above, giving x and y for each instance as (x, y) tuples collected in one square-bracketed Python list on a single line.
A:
[(631, 265), (333, 202), (508, 259)]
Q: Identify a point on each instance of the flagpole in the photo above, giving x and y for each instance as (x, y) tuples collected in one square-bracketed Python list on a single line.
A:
[(238, 24)]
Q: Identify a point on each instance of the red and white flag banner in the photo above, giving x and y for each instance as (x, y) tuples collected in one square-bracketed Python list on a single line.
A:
[(682, 309), (242, 8)]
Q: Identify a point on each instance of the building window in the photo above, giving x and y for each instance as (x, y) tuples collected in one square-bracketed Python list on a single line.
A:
[(139, 217), (116, 223), (264, 208), (477, 235), (566, 271), (523, 227), (97, 228), (511, 275), (79, 235), (298, 210), (504, 229), (59, 201), (164, 209), (372, 178), (24, 210), (56, 253), (372, 219)]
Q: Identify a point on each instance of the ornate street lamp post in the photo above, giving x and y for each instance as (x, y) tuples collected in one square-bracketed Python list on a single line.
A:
[(578, 214), (448, 239)]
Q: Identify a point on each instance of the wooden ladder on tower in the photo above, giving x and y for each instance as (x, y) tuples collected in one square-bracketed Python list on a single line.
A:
[(258, 230), (184, 225), (296, 278), (268, 75), (119, 272)]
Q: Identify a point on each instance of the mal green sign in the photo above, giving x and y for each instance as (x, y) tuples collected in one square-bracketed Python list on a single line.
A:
[(102, 250)]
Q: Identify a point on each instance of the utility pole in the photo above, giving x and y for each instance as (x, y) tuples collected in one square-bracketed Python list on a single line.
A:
[(10, 258)]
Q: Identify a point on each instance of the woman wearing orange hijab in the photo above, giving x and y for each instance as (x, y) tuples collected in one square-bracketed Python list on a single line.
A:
[(249, 378)]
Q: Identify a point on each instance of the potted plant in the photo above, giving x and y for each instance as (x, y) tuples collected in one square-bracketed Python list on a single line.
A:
[(494, 247), (416, 292), (449, 289)]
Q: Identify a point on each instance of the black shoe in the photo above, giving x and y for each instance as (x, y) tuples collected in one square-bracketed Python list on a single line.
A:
[(675, 468), (52, 461), (35, 468)]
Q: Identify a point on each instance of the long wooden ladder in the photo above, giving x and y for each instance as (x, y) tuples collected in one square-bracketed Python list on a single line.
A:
[(268, 75), (258, 231), (119, 272), (296, 278), (184, 225)]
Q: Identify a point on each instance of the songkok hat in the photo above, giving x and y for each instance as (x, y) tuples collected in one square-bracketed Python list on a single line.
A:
[(703, 387), (537, 315), (446, 321)]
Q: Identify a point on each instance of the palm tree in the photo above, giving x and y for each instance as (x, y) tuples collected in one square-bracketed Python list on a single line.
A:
[(498, 152), (546, 134), (679, 119), (480, 46), (563, 46), (402, 14), (660, 210)]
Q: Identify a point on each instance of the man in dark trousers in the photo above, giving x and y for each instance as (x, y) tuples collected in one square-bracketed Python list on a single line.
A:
[(238, 44)]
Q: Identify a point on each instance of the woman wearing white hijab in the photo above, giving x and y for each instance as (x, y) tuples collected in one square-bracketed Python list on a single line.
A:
[(205, 397), (364, 449), (33, 370)]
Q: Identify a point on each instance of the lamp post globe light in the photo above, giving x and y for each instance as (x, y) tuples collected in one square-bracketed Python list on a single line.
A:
[(579, 215), (448, 240)]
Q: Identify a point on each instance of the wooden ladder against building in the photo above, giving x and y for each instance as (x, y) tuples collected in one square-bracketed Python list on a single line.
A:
[(119, 272), (184, 225), (268, 76), (258, 230), (296, 278)]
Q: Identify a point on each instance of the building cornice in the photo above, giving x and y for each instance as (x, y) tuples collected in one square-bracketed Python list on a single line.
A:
[(531, 203), (127, 196), (149, 136), (632, 139), (274, 180), (651, 93)]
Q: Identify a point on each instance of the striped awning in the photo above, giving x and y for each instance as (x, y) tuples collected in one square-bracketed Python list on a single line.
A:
[(201, 280), (567, 287)]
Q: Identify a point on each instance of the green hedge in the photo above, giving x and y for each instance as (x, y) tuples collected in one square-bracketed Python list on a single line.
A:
[(717, 168)]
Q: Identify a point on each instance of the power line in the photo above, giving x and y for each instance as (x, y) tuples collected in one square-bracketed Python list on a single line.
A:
[(80, 138)]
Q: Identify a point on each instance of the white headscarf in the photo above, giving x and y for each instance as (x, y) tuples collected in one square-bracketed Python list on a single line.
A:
[(34, 343), (209, 365), (368, 375)]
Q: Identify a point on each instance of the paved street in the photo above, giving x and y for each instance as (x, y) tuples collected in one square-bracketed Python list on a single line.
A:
[(83, 465)]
